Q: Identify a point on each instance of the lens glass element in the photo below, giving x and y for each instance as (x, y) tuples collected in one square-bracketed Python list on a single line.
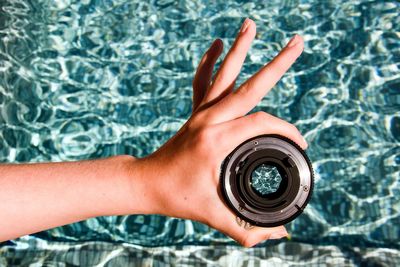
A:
[(265, 179)]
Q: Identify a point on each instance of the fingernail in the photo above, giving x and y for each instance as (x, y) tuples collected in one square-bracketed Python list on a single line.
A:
[(305, 142), (245, 25), (279, 234), (294, 41)]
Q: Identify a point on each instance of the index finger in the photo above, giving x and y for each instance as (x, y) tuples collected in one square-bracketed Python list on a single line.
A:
[(247, 96)]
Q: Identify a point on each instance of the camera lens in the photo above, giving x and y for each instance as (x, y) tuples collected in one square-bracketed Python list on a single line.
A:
[(267, 180)]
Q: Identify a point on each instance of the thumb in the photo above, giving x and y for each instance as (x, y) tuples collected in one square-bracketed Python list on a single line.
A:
[(224, 220)]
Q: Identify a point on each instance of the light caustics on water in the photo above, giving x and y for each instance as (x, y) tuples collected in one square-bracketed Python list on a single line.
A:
[(89, 79)]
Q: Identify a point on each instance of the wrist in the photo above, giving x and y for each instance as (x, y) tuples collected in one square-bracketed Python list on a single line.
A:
[(141, 198)]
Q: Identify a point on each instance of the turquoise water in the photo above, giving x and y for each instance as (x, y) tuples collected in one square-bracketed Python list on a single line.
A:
[(90, 79)]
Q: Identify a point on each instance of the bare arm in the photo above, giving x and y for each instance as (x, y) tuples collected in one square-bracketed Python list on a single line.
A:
[(36, 197)]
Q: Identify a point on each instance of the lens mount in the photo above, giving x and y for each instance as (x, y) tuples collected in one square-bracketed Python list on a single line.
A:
[(287, 160)]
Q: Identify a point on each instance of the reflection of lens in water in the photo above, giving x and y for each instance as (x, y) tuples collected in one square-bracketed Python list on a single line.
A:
[(265, 179)]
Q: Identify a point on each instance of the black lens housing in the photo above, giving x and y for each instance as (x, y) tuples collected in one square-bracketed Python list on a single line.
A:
[(293, 193)]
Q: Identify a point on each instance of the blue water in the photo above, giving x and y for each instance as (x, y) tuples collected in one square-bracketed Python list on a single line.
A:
[(89, 79)]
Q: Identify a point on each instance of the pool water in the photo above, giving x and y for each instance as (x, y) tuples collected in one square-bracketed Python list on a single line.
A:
[(95, 78)]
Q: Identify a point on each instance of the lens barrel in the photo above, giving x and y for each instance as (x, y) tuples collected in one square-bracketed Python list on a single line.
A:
[(245, 190)]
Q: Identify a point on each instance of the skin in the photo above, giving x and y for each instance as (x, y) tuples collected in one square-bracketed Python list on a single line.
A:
[(166, 182)]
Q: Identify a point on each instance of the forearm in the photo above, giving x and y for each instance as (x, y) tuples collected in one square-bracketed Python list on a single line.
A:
[(36, 197)]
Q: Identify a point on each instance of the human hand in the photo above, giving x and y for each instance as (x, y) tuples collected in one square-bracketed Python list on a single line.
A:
[(183, 174)]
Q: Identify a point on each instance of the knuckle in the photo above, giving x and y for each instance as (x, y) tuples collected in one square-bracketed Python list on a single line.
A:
[(242, 91), (260, 116), (204, 135), (205, 140), (237, 50), (280, 65), (221, 78), (245, 88)]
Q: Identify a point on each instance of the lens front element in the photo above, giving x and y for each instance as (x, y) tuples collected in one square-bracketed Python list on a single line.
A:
[(265, 179)]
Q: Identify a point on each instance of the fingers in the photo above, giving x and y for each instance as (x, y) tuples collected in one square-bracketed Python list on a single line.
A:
[(204, 71), (246, 97), (225, 221), (225, 77), (241, 129)]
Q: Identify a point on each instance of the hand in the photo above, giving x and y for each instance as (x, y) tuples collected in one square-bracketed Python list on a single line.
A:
[(183, 174)]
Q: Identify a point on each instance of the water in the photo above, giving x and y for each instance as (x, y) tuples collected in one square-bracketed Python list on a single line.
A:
[(89, 79)]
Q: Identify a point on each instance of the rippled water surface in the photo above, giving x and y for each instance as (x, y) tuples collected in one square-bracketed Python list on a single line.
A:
[(89, 79)]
